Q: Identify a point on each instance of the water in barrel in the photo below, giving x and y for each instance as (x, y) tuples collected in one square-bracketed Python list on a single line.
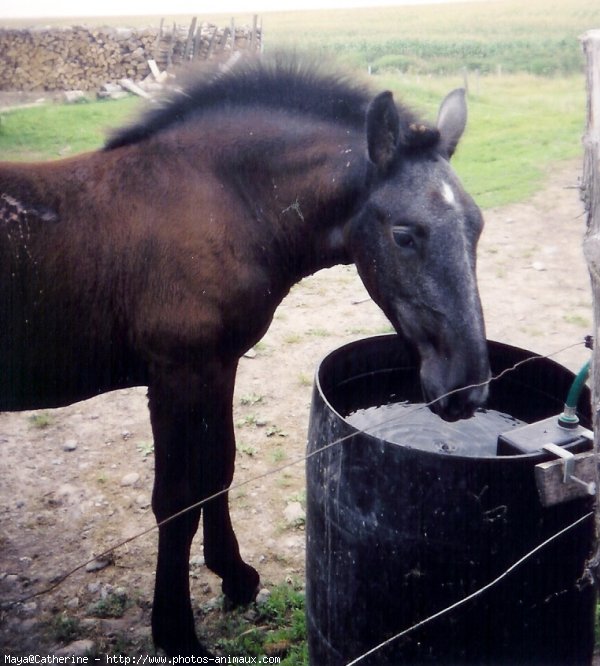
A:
[(416, 426)]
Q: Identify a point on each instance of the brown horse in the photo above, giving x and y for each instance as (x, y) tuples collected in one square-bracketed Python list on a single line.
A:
[(161, 259)]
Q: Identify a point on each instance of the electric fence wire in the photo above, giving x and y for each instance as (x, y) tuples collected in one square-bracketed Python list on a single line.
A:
[(276, 470), (473, 595)]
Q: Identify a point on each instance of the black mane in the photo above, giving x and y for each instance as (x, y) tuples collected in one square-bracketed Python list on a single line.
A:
[(281, 82)]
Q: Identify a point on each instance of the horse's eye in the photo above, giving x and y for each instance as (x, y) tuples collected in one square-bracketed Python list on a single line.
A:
[(403, 238)]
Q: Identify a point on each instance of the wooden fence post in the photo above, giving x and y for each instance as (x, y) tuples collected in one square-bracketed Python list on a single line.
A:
[(591, 243), (254, 31), (187, 54)]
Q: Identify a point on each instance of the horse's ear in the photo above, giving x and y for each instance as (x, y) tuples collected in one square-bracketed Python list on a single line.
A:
[(383, 129), (451, 121)]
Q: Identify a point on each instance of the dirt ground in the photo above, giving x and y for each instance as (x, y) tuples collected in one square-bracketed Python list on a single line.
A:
[(77, 480)]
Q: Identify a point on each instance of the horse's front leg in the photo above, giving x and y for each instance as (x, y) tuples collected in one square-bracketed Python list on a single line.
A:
[(177, 428), (191, 415), (221, 551)]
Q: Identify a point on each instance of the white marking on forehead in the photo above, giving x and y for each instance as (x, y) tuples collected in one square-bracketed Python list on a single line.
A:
[(448, 194)]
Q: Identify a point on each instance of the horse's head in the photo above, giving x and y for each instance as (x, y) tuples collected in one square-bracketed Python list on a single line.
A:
[(414, 244)]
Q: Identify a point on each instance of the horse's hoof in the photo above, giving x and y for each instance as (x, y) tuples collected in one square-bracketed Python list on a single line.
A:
[(186, 649), (242, 588), (176, 643)]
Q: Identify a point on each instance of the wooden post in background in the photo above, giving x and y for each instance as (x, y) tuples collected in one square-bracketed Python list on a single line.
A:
[(254, 30), (591, 243), (187, 54)]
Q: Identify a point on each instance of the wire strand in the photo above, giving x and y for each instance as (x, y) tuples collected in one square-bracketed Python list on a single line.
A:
[(276, 470), (473, 595)]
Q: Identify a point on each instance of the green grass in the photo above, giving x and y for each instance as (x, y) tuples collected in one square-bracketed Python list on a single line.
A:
[(63, 628), (519, 126), (277, 628), (113, 605), (59, 130), (41, 420), (517, 132), (520, 123)]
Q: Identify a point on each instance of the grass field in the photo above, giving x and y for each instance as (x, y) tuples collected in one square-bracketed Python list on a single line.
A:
[(523, 65), (52, 131), (519, 125)]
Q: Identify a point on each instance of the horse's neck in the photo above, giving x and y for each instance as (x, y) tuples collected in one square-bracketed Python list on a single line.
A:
[(301, 191)]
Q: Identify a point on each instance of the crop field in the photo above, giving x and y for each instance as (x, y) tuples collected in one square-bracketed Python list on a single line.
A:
[(539, 37), (491, 35)]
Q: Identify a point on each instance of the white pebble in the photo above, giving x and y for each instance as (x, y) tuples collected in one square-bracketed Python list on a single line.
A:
[(130, 479)]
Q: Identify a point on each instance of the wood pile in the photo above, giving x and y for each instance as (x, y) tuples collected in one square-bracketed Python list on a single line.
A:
[(85, 58)]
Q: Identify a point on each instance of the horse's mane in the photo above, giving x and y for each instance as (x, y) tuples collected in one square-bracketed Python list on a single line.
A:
[(285, 82)]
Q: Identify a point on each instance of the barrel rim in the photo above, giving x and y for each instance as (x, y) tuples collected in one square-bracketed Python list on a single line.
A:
[(536, 456)]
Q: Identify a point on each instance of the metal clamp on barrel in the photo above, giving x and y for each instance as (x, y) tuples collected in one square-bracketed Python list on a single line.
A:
[(556, 480), (569, 467)]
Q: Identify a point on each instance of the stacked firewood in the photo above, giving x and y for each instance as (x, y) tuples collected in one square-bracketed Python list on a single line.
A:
[(86, 58)]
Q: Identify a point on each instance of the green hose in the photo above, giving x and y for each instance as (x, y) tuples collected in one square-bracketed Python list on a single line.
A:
[(569, 419)]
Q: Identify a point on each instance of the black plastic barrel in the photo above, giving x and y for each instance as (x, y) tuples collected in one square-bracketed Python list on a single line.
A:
[(396, 534)]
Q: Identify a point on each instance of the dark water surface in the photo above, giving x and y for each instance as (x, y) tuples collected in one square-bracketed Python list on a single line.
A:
[(416, 426)]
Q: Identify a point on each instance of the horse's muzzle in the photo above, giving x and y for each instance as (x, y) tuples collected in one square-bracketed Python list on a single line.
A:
[(455, 389), (460, 403)]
